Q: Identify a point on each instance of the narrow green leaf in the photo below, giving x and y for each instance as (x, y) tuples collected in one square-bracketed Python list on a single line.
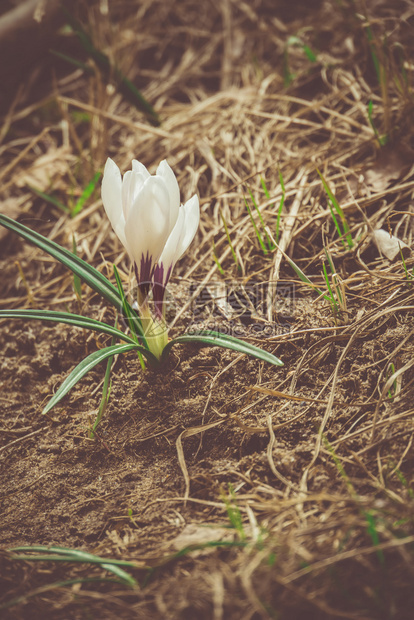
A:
[(233, 252), (339, 211), (69, 319), (216, 339), (375, 60), (256, 230), (269, 242), (337, 226), (86, 272), (73, 61), (76, 279), (305, 278), (334, 305), (309, 53), (74, 555), (90, 362), (216, 260), (87, 193), (49, 198), (134, 322)]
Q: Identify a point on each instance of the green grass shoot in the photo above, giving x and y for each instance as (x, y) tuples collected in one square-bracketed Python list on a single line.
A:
[(233, 252), (280, 207), (393, 389), (304, 278), (288, 76), (234, 514), (86, 194), (74, 208), (378, 66), (270, 244), (382, 140), (50, 199), (65, 555), (106, 392), (408, 275), (333, 204), (336, 290), (262, 244), (216, 260)]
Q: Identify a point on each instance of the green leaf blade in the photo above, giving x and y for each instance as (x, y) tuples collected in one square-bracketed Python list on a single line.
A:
[(90, 362), (217, 339), (67, 318), (79, 267)]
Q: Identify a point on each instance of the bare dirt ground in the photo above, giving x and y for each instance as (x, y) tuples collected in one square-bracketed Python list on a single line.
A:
[(233, 489)]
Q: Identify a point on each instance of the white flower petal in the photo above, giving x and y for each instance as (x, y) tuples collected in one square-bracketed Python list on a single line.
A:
[(111, 193), (147, 227), (126, 192), (192, 220), (181, 236), (140, 168), (169, 254), (171, 182)]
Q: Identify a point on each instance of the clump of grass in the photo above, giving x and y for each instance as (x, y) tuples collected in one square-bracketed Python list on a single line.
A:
[(265, 241)]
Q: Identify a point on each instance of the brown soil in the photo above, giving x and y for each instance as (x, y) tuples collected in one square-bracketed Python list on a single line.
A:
[(237, 489)]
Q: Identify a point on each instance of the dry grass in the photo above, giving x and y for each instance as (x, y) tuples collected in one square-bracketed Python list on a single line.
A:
[(324, 489)]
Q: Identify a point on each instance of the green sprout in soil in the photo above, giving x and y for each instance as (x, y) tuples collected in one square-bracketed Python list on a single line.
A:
[(233, 251), (382, 140), (74, 206), (341, 225), (42, 553), (146, 215), (265, 249), (281, 203), (393, 389), (234, 514), (294, 41), (106, 392), (336, 289), (408, 275), (216, 259), (265, 242)]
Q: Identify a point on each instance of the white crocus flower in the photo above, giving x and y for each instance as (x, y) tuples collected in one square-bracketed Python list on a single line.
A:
[(146, 215), (143, 210)]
